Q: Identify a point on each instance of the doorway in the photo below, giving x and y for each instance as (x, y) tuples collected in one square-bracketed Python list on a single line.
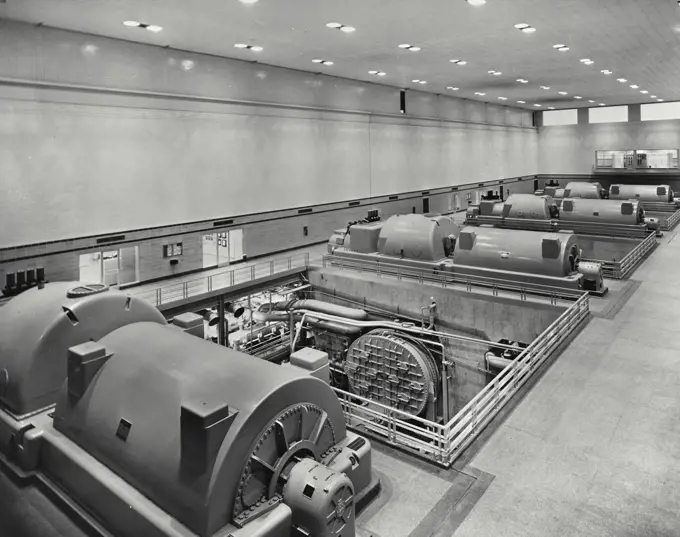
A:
[(222, 248), (110, 267), (426, 205)]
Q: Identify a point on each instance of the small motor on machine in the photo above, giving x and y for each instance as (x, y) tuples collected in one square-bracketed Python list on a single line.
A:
[(593, 280)]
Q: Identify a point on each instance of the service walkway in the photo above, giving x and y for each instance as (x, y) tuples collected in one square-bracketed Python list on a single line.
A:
[(184, 286), (594, 448)]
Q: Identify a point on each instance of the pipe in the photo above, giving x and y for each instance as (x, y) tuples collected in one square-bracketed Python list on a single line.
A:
[(322, 307), (333, 326), (497, 362)]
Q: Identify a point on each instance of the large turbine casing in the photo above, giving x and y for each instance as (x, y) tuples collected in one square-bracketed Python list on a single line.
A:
[(180, 419), (37, 328), (418, 237), (583, 190), (650, 193), (626, 212), (548, 254)]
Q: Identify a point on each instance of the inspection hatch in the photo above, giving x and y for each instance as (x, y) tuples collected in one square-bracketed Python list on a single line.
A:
[(86, 290), (392, 370)]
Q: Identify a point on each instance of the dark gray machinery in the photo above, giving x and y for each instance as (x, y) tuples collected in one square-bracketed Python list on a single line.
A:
[(436, 243), (142, 429), (621, 218)]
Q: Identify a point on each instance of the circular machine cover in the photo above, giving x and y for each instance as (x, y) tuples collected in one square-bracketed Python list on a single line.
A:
[(414, 236), (627, 212), (202, 430), (527, 206), (38, 327), (583, 190), (388, 368), (547, 254), (662, 193)]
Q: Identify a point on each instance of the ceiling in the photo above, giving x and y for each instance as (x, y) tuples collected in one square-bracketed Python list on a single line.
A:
[(638, 40)]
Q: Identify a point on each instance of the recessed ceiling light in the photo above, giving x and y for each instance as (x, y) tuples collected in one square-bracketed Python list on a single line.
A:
[(404, 45), (522, 102), (602, 104), (652, 96), (545, 87), (503, 98), (452, 88), (476, 2), (479, 93), (529, 30), (254, 48), (327, 63), (248, 1), (491, 72), (458, 62), (585, 60), (414, 49), (382, 73), (563, 49), (132, 24), (622, 80), (154, 28), (644, 91), (377, 73), (606, 72), (578, 97), (522, 81), (591, 62), (373, 72), (634, 86), (551, 108), (563, 93), (591, 101), (660, 100), (521, 26), (538, 105), (558, 46), (342, 27), (418, 81)]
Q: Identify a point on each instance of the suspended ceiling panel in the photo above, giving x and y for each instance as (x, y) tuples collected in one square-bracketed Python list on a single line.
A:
[(637, 40)]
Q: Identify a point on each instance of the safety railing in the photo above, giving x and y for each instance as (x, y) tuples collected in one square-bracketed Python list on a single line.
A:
[(620, 269), (448, 279), (464, 427), (443, 443), (222, 280), (670, 222)]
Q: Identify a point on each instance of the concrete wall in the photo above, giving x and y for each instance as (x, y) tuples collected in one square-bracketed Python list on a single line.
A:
[(121, 136), (458, 312), (484, 316)]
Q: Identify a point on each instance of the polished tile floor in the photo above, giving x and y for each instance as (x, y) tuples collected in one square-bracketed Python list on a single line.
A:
[(594, 448)]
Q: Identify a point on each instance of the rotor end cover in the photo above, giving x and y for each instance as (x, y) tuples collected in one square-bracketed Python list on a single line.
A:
[(392, 371)]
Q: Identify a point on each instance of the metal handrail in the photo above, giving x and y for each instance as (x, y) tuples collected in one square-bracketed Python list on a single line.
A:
[(221, 280), (620, 269), (443, 443), (444, 278)]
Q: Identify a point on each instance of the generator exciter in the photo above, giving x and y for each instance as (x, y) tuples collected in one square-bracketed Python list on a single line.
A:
[(145, 430), (438, 244)]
